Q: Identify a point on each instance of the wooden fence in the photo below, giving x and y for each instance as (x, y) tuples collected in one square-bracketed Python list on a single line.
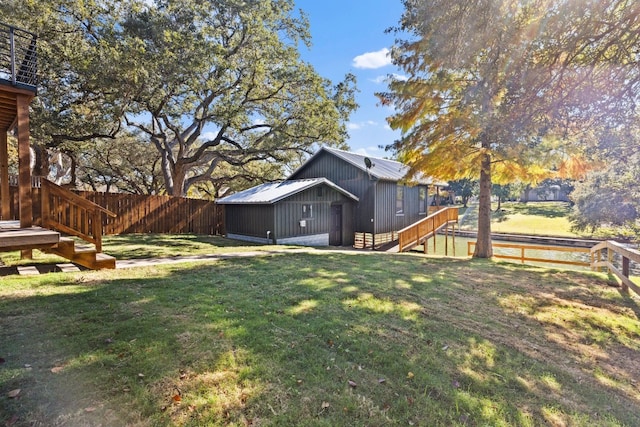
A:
[(625, 255), (144, 214), (522, 256)]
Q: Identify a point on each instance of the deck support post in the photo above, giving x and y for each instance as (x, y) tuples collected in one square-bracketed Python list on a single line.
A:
[(5, 199), (24, 166)]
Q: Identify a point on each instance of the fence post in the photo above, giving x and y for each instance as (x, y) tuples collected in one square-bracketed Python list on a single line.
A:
[(522, 254), (625, 271)]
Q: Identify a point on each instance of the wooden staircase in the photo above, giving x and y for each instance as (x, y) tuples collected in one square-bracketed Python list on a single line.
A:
[(418, 232), (61, 210), (68, 213), (84, 255)]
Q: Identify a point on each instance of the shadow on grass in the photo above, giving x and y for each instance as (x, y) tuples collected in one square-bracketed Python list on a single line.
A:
[(137, 246), (305, 339)]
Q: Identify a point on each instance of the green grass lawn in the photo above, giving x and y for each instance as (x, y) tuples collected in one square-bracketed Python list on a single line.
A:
[(137, 246), (536, 218), (324, 339)]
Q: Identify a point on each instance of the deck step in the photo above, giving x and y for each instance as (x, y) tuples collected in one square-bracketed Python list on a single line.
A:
[(67, 268), (84, 255), (28, 270)]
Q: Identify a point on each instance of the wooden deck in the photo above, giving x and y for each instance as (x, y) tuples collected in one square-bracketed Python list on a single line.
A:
[(13, 238)]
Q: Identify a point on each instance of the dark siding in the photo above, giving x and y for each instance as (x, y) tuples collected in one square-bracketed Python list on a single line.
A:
[(346, 176), (249, 220), (386, 218), (347, 224), (371, 192), (289, 212)]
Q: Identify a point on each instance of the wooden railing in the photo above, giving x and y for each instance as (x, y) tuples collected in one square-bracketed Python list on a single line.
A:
[(69, 213), (522, 257), (418, 232), (626, 254)]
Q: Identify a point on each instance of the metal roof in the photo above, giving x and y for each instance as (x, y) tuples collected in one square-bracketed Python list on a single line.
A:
[(272, 192), (383, 169)]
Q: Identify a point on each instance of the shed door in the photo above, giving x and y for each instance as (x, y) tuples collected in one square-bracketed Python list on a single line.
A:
[(335, 233)]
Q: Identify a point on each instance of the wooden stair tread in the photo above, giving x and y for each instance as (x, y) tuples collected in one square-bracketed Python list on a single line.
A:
[(67, 267), (84, 255), (28, 270)]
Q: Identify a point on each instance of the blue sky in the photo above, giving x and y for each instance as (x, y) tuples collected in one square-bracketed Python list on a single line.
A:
[(348, 36)]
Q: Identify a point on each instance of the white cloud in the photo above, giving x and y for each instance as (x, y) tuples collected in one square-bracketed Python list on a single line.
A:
[(360, 125), (372, 60), (389, 77)]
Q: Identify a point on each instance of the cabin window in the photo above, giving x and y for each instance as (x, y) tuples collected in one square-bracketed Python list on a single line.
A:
[(422, 200), (399, 200), (307, 211)]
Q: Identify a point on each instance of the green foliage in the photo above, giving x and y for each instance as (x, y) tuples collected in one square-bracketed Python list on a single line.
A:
[(464, 188), (504, 90), (127, 163), (209, 83), (609, 198), (76, 101), (222, 82)]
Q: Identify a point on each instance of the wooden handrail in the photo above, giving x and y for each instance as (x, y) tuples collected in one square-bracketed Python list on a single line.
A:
[(417, 232), (627, 255), (69, 213)]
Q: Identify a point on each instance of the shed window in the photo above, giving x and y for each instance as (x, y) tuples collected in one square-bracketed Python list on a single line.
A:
[(319, 192), (399, 200), (307, 211), (422, 200)]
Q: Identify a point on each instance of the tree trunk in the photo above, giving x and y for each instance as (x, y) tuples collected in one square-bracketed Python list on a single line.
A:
[(483, 244), (41, 164), (179, 177)]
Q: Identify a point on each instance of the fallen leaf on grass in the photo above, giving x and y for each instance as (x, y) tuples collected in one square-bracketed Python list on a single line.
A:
[(176, 398), (57, 369), (325, 405), (352, 384), (13, 393), (410, 375), (381, 381), (90, 409)]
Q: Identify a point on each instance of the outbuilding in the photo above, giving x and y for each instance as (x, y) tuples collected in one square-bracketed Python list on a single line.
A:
[(310, 212), (335, 198)]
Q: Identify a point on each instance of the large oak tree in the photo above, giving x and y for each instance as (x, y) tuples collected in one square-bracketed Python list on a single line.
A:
[(505, 90), (210, 83)]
